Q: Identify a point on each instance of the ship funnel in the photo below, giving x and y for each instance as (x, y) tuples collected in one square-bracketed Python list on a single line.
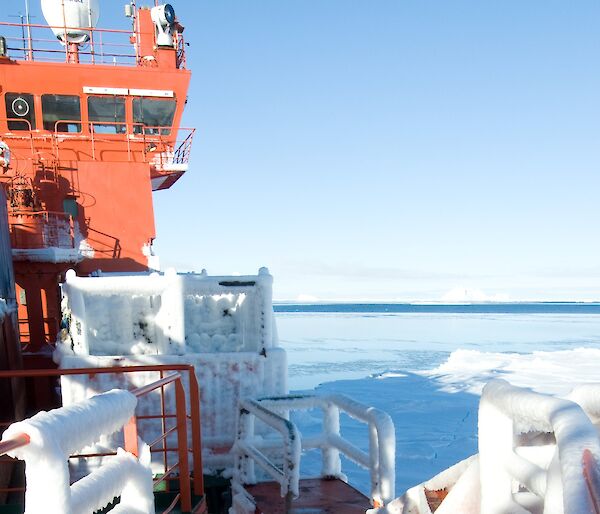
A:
[(71, 20)]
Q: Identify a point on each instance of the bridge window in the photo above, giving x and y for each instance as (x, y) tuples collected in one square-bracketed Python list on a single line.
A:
[(20, 111), (57, 110), (107, 114), (156, 115)]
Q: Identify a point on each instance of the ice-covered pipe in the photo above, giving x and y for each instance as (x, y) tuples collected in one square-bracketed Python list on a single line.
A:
[(506, 410), (265, 283), (171, 316), (332, 464), (124, 476), (588, 397), (110, 285), (56, 434)]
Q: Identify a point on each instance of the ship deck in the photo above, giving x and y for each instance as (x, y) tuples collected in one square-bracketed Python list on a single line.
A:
[(317, 496)]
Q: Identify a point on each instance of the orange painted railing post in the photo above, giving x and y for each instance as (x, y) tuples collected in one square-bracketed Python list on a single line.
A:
[(130, 435), (184, 469), (592, 479), (13, 443), (196, 431), (164, 428)]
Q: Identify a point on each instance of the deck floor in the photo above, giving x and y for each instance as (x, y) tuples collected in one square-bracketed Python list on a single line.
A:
[(317, 496)]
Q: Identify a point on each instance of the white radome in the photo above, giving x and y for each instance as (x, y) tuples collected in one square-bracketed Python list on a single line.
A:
[(77, 15)]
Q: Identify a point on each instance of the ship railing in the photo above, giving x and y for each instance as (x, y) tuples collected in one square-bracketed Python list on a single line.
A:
[(171, 424), (166, 148), (36, 230), (274, 411), (157, 144), (180, 49), (538, 452), (22, 135), (45, 441), (166, 154), (105, 46), (248, 451)]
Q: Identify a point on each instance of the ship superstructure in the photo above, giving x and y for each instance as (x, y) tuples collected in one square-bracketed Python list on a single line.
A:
[(89, 128)]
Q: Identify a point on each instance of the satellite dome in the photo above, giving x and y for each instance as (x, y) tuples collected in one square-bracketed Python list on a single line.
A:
[(78, 17)]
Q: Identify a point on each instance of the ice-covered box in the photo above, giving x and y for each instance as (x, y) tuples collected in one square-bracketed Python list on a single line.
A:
[(223, 325)]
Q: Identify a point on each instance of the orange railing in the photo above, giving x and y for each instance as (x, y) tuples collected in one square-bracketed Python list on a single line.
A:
[(20, 135), (17, 441), (178, 471), (182, 465), (105, 46), (42, 229), (157, 145), (592, 479)]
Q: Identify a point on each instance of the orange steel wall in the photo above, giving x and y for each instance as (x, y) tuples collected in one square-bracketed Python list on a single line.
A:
[(120, 213)]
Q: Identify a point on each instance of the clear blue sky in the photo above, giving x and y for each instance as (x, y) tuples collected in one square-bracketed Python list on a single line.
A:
[(390, 149)]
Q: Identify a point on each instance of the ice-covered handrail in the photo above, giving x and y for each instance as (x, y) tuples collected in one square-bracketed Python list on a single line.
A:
[(505, 412), (380, 460), (588, 397), (247, 451), (57, 434)]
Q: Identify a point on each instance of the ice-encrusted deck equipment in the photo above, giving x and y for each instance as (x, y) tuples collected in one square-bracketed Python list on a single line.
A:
[(223, 326)]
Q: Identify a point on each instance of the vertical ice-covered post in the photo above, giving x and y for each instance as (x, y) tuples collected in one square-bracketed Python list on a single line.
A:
[(171, 317), (332, 464), (496, 443), (244, 467), (76, 305), (382, 450), (265, 282)]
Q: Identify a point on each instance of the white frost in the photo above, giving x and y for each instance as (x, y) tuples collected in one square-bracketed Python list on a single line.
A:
[(224, 326), (168, 314), (56, 434), (3, 308)]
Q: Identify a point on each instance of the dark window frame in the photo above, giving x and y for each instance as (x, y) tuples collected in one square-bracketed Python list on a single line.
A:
[(20, 123), (139, 114), (104, 124), (59, 124)]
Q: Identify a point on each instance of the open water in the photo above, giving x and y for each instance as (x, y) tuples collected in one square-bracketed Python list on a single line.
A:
[(379, 354), (330, 342)]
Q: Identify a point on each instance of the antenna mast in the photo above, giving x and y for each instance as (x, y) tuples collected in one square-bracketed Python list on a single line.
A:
[(29, 49)]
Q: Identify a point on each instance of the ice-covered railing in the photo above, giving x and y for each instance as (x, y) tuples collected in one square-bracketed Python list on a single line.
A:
[(169, 314), (559, 476), (46, 441), (379, 460), (164, 422), (248, 450)]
